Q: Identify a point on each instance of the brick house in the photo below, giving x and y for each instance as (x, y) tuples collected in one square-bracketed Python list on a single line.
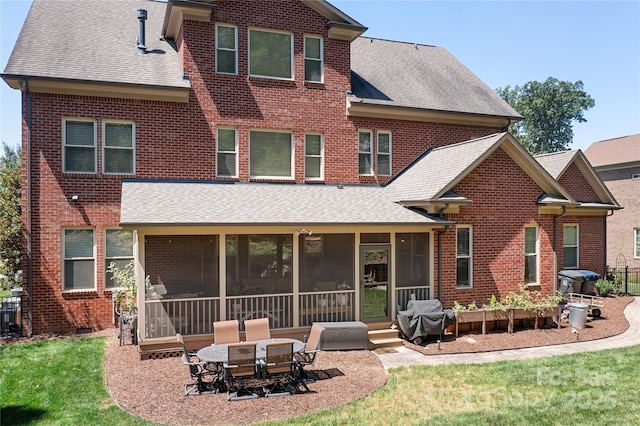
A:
[(617, 162), (259, 158)]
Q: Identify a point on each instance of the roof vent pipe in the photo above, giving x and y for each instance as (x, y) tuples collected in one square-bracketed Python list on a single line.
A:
[(142, 16)]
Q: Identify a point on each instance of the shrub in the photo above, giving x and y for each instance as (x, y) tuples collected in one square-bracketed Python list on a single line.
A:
[(606, 287)]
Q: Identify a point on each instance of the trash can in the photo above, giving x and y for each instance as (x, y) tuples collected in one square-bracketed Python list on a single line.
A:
[(577, 281), (578, 314)]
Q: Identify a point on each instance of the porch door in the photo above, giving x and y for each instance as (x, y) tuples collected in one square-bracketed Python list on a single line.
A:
[(375, 285)]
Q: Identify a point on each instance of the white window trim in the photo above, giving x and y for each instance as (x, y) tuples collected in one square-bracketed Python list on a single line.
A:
[(321, 156), (537, 253), (105, 148), (64, 259), (636, 237), (107, 260), (235, 133), (370, 152), (384, 132), (635, 176), (235, 30), (321, 60), (470, 257), (64, 145), (291, 142), (249, 53), (577, 246)]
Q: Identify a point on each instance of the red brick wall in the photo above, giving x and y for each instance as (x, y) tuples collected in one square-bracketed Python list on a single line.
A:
[(573, 181), (503, 202), (620, 225)]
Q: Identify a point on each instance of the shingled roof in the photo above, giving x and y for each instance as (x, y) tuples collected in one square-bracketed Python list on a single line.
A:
[(408, 75), (617, 151)]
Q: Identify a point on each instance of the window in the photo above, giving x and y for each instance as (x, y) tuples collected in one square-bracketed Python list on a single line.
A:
[(384, 153), (270, 154), (226, 49), (119, 250), (570, 246), (464, 244), (365, 153), (227, 153), (79, 259), (635, 176), (79, 140), (119, 143), (636, 251), (530, 254), (270, 54), (313, 58), (312, 156)]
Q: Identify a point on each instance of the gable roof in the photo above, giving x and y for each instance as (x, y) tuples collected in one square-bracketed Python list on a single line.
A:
[(88, 42), (431, 179), (615, 153), (412, 76), (557, 163), (217, 203)]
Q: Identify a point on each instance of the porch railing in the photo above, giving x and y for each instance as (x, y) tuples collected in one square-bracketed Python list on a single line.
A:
[(404, 294), (186, 316), (277, 307), (327, 306)]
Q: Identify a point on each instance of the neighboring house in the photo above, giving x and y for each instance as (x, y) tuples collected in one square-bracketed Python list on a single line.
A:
[(266, 159), (617, 162)]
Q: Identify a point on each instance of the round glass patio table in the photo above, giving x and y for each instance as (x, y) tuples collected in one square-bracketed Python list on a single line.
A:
[(219, 353)]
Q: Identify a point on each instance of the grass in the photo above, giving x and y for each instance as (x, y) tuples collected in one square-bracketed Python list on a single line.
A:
[(61, 382), (5, 293)]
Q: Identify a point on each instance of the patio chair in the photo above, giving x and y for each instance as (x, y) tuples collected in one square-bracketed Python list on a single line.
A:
[(241, 367), (279, 368), (257, 329), (226, 332), (198, 370), (308, 355)]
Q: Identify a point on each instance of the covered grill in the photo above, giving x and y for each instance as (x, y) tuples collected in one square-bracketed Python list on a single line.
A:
[(424, 317)]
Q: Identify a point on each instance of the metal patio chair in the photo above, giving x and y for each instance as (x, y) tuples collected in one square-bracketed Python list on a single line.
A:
[(257, 329), (240, 369), (308, 355), (279, 369), (198, 370), (226, 332)]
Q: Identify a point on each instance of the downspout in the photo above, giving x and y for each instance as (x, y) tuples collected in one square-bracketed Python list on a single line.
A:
[(446, 228), (555, 249), (609, 213), (28, 224)]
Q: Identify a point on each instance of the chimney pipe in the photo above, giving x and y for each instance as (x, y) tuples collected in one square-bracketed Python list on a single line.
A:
[(142, 16)]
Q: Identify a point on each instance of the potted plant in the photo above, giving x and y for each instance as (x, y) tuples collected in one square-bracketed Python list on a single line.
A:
[(126, 291)]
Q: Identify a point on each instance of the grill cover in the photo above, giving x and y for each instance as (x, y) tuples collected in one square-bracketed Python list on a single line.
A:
[(424, 317)]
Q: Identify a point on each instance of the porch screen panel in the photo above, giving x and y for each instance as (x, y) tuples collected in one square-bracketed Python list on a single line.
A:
[(412, 260), (187, 265), (326, 262)]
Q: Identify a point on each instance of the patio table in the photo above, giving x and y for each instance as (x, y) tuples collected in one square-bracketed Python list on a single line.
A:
[(218, 353)]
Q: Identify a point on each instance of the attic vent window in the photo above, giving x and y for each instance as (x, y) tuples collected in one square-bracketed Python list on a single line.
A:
[(635, 176)]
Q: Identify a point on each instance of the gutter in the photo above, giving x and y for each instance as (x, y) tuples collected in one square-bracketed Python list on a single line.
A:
[(555, 250), (29, 273)]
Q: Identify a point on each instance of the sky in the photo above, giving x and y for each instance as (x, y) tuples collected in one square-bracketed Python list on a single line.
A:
[(505, 43)]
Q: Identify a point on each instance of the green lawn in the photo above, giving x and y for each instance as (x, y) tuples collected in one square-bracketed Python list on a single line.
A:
[(61, 382)]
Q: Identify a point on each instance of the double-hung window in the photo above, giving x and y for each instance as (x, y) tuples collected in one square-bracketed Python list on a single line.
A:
[(79, 141), (636, 240), (119, 250), (464, 251), (313, 59), (270, 154), (384, 153), (270, 54), (79, 259), (570, 245), (226, 49), (313, 156), (365, 153), (530, 254), (119, 147), (227, 153)]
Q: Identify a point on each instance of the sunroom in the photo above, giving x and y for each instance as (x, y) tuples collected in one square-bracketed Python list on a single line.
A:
[(292, 253)]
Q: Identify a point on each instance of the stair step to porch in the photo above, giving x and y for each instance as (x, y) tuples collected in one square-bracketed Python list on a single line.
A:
[(384, 338)]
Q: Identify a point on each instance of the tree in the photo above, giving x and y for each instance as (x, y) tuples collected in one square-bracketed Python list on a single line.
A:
[(549, 109), (10, 216)]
